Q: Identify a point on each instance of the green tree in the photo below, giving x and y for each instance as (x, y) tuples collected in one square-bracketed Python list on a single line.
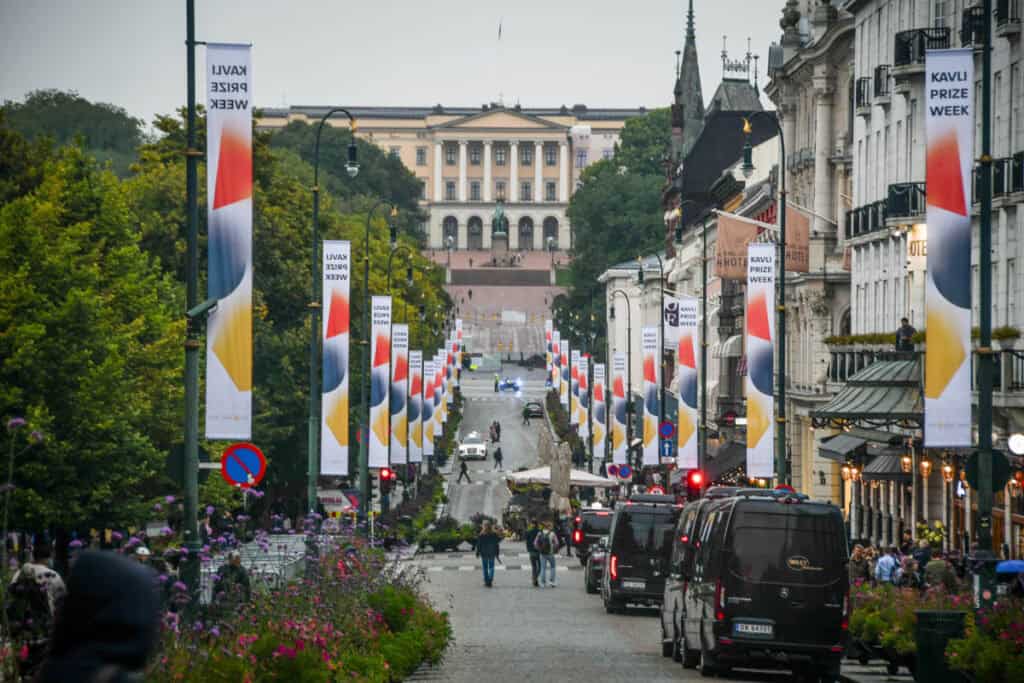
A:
[(643, 143), (108, 132)]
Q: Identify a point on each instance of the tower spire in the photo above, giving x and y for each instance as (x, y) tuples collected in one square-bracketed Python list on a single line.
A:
[(690, 31)]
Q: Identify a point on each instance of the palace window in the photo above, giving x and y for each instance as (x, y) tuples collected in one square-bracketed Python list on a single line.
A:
[(526, 155), (449, 155), (474, 155), (499, 189), (549, 191), (550, 155), (499, 156), (581, 158), (525, 191), (421, 156), (474, 190), (395, 152), (449, 190)]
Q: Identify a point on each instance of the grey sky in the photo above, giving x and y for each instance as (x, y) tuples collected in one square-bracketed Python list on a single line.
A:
[(394, 52)]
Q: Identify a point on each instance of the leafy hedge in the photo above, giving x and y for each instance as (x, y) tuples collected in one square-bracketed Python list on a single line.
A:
[(992, 650)]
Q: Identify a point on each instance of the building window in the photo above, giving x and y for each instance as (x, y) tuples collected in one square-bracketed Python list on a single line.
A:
[(421, 156), (499, 156), (549, 191), (940, 13), (474, 191), (525, 191), (449, 190), (451, 230), (474, 155), (423, 189), (550, 155), (449, 155), (606, 154), (526, 154), (499, 190), (395, 152), (581, 158)]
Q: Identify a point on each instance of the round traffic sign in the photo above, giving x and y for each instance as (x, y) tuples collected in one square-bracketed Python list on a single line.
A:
[(625, 472), (667, 430), (613, 470), (243, 465), (657, 489)]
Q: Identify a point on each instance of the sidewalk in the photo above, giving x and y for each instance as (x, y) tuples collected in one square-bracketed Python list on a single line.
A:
[(873, 672)]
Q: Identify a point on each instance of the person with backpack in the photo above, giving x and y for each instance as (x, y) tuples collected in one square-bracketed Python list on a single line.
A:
[(498, 458), (488, 549), (34, 596), (531, 537), (547, 545)]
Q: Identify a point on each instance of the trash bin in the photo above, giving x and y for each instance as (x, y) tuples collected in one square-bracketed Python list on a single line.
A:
[(934, 629)]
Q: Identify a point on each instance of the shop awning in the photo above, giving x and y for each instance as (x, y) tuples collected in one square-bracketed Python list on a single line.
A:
[(886, 393), (733, 346), (725, 458), (840, 447), (885, 468)]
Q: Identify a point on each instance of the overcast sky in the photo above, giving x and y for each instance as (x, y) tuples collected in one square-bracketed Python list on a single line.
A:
[(388, 52)]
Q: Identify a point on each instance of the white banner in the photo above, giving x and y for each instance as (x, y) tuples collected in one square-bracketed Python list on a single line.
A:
[(583, 397), (564, 385), (556, 369), (671, 314), (599, 413), (548, 329), (458, 352), (440, 406), (334, 401), (686, 354), (760, 322), (229, 242), (574, 388), (429, 424), (450, 373), (415, 406), (380, 381), (651, 349), (399, 392), (949, 127), (619, 415)]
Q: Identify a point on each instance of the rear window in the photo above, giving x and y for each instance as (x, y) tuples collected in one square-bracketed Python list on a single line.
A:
[(786, 547), (644, 533), (597, 523)]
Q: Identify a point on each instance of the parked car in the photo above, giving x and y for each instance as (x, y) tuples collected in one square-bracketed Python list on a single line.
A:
[(595, 565), (534, 409), (590, 524), (472, 447), (672, 604), (510, 384), (639, 543), (767, 587)]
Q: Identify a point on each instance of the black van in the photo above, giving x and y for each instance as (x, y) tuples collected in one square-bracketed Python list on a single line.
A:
[(639, 544), (767, 587), (672, 607), (589, 525)]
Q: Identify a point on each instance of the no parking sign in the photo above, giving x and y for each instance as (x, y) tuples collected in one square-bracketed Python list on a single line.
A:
[(243, 465)]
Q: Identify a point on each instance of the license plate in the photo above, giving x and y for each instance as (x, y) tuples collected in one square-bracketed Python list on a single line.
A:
[(634, 585), (753, 629)]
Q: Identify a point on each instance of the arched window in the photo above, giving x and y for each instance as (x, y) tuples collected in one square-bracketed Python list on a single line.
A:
[(451, 229), (526, 233), (475, 230), (551, 231)]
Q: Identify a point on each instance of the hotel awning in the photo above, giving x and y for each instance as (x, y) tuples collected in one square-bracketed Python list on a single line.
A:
[(885, 468), (840, 447), (884, 394)]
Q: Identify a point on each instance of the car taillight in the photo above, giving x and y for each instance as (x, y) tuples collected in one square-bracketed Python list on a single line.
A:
[(719, 601), (684, 538), (577, 536), (613, 567), (577, 520), (845, 625)]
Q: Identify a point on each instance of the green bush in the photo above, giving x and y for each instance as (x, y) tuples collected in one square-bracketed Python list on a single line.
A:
[(992, 650)]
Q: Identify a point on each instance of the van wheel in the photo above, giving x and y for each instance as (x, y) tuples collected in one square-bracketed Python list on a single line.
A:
[(591, 588), (666, 648), (677, 655), (708, 669), (690, 658), (612, 606)]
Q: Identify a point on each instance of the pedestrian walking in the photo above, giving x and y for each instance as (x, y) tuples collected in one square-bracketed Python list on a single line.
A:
[(463, 472), (488, 549), (498, 458), (32, 600), (233, 580), (531, 537), (907, 542), (497, 429), (108, 625), (939, 572), (526, 416), (907, 574), (885, 568), (858, 567), (547, 545)]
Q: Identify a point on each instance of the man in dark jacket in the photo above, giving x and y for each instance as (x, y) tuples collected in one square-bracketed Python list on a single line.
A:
[(488, 549), (531, 536), (108, 625), (233, 581), (904, 334)]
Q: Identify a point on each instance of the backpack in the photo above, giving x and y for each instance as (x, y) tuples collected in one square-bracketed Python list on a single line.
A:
[(28, 608), (543, 543)]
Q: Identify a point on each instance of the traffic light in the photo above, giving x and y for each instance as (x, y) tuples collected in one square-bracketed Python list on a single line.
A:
[(387, 480), (694, 484)]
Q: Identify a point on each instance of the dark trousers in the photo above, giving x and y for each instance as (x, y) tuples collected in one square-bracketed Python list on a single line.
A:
[(535, 566), (463, 474)]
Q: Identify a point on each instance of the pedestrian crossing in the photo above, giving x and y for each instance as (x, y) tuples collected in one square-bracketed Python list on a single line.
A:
[(468, 562)]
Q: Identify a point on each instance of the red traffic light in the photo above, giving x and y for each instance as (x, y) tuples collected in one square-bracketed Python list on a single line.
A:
[(695, 478), (386, 474)]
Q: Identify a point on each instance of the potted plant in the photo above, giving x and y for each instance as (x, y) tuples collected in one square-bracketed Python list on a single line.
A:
[(1005, 337)]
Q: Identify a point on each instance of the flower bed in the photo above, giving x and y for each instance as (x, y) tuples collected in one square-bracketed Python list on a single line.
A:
[(993, 649)]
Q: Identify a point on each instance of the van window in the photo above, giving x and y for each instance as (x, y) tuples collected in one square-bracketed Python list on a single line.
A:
[(786, 547), (644, 533), (596, 523)]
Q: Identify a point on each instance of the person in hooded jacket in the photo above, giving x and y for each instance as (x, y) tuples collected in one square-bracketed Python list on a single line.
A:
[(108, 625)]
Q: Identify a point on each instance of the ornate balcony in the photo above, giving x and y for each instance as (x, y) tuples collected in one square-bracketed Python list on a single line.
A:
[(883, 85), (862, 96), (906, 202), (1007, 18), (910, 46), (1007, 176), (866, 219), (972, 26)]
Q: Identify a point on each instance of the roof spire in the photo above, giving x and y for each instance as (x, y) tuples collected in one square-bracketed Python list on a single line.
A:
[(690, 32)]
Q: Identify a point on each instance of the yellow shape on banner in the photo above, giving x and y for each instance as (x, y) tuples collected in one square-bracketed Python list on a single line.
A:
[(597, 434), (416, 435), (686, 427), (758, 422), (380, 425), (337, 420), (944, 355), (398, 428), (233, 345), (650, 430), (429, 432), (618, 436)]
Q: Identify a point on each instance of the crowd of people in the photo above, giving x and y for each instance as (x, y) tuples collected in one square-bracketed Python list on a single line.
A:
[(542, 542), (908, 565)]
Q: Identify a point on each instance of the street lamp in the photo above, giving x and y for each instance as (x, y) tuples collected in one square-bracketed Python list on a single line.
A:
[(629, 363), (313, 430), (748, 169), (364, 432), (661, 343)]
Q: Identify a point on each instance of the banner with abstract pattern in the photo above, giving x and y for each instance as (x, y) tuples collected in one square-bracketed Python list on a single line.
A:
[(548, 329), (651, 348), (556, 370), (229, 243), (686, 354), (564, 386), (415, 406), (458, 352), (599, 414), (380, 380), (335, 330), (440, 412), (429, 424), (399, 391), (583, 397), (949, 127), (618, 411), (760, 362), (574, 388)]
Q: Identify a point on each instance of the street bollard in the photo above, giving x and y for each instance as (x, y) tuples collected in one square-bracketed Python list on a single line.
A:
[(934, 629)]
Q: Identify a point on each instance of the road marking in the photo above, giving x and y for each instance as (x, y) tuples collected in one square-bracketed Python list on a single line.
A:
[(501, 567)]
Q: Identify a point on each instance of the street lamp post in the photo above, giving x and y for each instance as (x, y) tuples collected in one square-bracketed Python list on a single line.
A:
[(748, 167), (364, 432), (629, 364), (661, 343), (313, 431)]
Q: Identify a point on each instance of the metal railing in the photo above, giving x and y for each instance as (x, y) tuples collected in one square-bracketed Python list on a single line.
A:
[(906, 199), (910, 45), (1007, 12), (972, 25), (865, 219), (882, 85), (863, 93), (1007, 176)]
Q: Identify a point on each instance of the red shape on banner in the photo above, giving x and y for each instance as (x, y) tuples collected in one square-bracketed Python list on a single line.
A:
[(401, 368), (234, 169), (382, 351), (618, 389), (650, 375), (338, 315), (757, 317), (945, 182), (686, 357)]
